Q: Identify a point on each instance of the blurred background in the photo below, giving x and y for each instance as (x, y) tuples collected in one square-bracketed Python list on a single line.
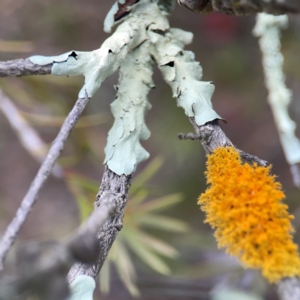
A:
[(165, 251)]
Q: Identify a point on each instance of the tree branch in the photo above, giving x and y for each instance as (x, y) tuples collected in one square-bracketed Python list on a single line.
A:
[(212, 136), (23, 67), (43, 173), (114, 188), (268, 30), (289, 289), (242, 7), (50, 261)]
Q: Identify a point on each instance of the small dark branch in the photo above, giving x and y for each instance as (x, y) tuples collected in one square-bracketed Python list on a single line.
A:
[(296, 175), (211, 136), (289, 289), (252, 158), (122, 11), (242, 7), (30, 198), (22, 67), (198, 6), (114, 189)]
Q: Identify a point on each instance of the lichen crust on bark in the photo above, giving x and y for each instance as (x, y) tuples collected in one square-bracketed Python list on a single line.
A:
[(99, 64)]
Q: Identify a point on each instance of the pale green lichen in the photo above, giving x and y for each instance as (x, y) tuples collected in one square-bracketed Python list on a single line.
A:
[(123, 150), (97, 65), (183, 74), (267, 28), (82, 288)]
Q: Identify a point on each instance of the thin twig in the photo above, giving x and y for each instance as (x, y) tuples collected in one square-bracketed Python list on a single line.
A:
[(43, 173), (22, 67), (28, 137), (295, 175), (212, 136)]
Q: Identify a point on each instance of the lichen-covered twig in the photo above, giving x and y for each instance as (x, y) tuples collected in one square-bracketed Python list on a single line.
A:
[(183, 74), (96, 66), (268, 29), (99, 64), (30, 198), (23, 67), (123, 150)]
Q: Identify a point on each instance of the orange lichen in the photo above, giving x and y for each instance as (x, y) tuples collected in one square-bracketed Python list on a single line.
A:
[(243, 205)]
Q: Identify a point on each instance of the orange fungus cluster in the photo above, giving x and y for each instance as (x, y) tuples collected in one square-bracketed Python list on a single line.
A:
[(243, 204)]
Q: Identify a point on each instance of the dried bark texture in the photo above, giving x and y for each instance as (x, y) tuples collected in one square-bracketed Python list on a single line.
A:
[(113, 188), (30, 198), (243, 7), (212, 136), (289, 289), (22, 67), (84, 245)]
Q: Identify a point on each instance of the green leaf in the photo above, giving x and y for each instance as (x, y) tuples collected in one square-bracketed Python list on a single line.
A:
[(146, 255), (146, 174), (164, 223), (84, 204), (160, 203), (104, 277), (86, 183), (140, 196), (155, 244), (126, 270)]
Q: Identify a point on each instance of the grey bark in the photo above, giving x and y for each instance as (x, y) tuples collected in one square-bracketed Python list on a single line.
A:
[(289, 289), (30, 198), (211, 136), (22, 67), (84, 245), (295, 171), (114, 188), (243, 7)]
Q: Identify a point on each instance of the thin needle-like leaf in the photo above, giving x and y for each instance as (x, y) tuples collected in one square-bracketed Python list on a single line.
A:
[(126, 270), (146, 174), (163, 223), (160, 203), (155, 244), (147, 255), (104, 277)]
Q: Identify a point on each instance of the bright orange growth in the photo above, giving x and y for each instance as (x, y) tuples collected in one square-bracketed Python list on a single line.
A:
[(243, 205)]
